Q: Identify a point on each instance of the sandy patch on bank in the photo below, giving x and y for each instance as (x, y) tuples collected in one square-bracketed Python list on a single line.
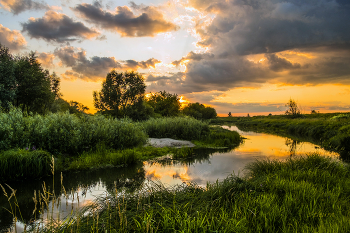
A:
[(168, 142)]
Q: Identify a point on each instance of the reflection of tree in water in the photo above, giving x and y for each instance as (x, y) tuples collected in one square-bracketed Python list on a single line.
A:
[(131, 177), (292, 144), (199, 155)]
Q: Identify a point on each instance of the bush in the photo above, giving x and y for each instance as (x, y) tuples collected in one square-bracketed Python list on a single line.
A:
[(66, 133), (185, 128)]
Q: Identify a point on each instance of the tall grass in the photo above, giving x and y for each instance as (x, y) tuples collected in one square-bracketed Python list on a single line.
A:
[(304, 194), (66, 133), (24, 164), (185, 128)]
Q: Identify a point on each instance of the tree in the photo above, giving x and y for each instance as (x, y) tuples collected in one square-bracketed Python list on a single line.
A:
[(119, 91), (7, 78), (199, 111), (293, 109), (34, 93), (229, 114), (164, 103)]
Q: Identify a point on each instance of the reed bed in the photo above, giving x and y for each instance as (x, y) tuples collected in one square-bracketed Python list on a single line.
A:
[(64, 133), (185, 128), (24, 164), (303, 194)]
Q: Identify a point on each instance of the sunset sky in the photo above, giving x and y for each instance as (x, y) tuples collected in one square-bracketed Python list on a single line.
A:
[(239, 56)]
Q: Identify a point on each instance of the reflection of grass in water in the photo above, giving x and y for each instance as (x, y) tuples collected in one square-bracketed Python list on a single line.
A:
[(302, 194)]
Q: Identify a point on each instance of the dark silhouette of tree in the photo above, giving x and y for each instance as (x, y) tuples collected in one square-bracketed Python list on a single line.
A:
[(119, 91), (7, 78), (293, 109), (164, 103), (199, 111), (229, 114), (24, 83)]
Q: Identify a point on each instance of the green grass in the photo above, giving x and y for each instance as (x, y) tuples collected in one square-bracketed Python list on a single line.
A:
[(303, 194), (185, 128), (24, 164), (219, 137)]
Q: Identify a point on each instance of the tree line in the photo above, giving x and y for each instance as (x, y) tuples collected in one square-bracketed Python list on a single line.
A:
[(25, 84)]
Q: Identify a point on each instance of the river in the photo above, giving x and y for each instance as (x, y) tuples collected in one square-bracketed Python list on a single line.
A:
[(207, 166)]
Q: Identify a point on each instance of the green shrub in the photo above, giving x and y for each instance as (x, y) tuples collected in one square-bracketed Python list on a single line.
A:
[(67, 133), (21, 163), (185, 128)]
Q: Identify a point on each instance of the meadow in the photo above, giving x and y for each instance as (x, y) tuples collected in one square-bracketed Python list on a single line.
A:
[(329, 130), (302, 194)]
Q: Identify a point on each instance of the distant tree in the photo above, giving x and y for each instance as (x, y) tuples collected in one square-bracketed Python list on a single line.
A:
[(119, 91), (229, 114), (248, 115), (314, 112), (7, 78), (270, 114), (293, 109), (199, 111), (164, 103)]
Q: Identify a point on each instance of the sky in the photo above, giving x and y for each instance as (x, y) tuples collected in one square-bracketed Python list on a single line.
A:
[(238, 56)]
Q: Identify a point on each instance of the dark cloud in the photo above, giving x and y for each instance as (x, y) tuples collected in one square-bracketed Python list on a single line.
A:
[(95, 67), (150, 22), (193, 56), (57, 27), (11, 39), (18, 6), (280, 64), (248, 107)]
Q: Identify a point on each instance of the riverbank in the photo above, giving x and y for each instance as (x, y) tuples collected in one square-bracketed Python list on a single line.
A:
[(308, 193), (32, 163), (330, 130)]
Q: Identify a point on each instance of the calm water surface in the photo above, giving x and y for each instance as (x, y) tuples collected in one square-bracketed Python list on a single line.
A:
[(207, 166)]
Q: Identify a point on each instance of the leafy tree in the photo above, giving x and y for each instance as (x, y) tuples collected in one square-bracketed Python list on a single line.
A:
[(7, 78), (293, 109), (229, 114), (199, 111), (164, 103), (314, 111), (140, 111), (34, 93), (119, 91)]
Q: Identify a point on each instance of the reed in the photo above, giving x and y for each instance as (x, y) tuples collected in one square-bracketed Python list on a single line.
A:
[(24, 164), (185, 128), (302, 194)]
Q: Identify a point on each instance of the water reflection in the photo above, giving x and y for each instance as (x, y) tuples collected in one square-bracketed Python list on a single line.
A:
[(80, 188), (205, 166)]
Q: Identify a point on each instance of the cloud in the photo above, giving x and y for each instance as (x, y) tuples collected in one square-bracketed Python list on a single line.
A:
[(46, 59), (11, 39), (280, 64), (57, 27), (193, 56), (18, 6), (149, 23), (96, 67)]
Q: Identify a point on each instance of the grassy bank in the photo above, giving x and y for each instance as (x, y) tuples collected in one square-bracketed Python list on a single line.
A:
[(305, 194), (330, 130)]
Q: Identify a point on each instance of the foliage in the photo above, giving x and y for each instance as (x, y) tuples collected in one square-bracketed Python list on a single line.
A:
[(164, 103), (199, 111), (119, 91), (66, 133), (229, 114), (24, 84), (220, 137), (24, 164), (7, 78), (293, 109), (304, 194), (185, 128)]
